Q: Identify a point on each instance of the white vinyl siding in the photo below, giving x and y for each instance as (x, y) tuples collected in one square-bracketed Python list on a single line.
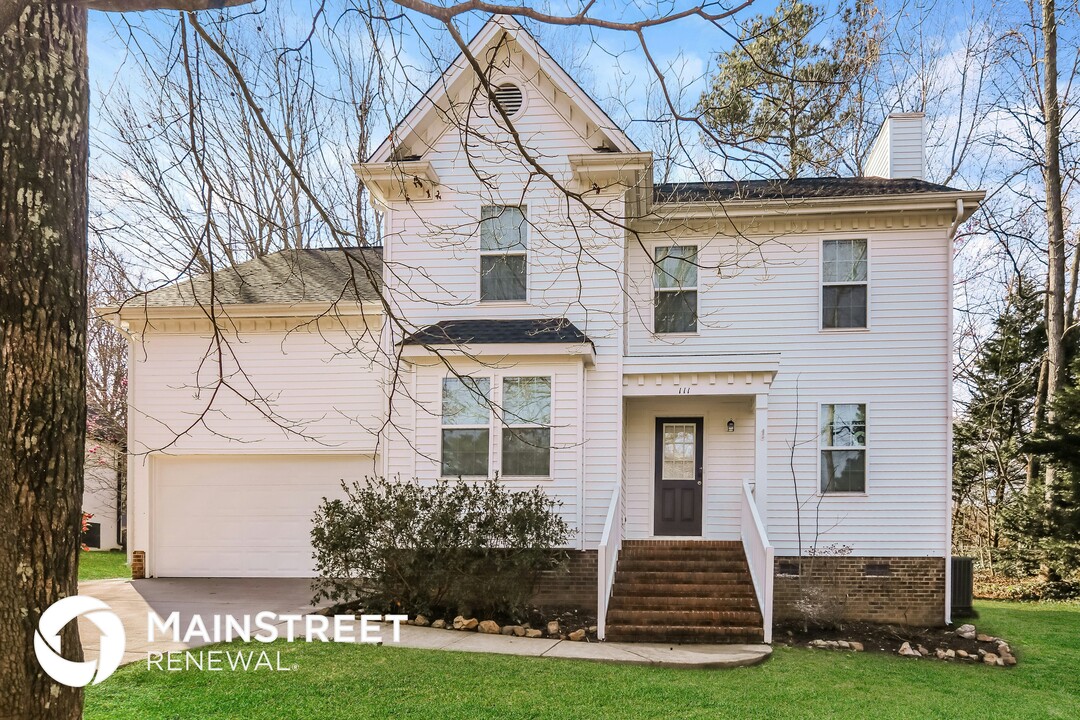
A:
[(899, 368)]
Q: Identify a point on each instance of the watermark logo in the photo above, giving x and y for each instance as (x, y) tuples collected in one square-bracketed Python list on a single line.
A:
[(47, 641)]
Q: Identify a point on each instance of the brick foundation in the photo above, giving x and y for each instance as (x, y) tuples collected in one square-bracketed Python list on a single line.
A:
[(571, 587), (138, 564), (891, 590)]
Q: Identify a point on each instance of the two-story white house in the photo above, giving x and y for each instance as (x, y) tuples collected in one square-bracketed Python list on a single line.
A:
[(739, 392)]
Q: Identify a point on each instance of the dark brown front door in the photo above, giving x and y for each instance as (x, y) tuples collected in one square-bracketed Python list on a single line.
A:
[(679, 460)]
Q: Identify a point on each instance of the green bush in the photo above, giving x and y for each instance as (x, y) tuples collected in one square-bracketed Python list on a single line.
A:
[(436, 548)]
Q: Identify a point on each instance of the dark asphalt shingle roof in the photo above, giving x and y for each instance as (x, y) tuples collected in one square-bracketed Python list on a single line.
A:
[(285, 277), (484, 332), (798, 189)]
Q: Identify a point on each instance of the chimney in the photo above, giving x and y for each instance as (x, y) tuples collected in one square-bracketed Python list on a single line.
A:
[(900, 148)]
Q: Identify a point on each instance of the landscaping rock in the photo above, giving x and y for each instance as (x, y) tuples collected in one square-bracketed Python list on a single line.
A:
[(950, 653), (940, 654), (991, 659), (966, 631), (1009, 660), (962, 654), (463, 623), (856, 646), (514, 630), (578, 634), (421, 621), (553, 628), (531, 633), (439, 624), (592, 629), (490, 627), (844, 644), (985, 638), (922, 650), (906, 651)]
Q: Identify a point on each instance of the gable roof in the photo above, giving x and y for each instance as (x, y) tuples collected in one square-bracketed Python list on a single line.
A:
[(490, 33), (285, 277), (486, 332), (797, 189)]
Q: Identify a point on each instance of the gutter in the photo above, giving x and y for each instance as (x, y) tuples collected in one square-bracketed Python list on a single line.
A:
[(959, 218)]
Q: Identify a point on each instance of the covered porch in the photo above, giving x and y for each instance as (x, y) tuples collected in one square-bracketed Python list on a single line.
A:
[(695, 456)]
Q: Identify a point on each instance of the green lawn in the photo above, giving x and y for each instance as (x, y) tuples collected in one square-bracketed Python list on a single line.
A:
[(103, 564), (350, 681)]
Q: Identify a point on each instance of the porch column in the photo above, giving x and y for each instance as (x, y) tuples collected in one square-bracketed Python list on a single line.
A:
[(761, 455)]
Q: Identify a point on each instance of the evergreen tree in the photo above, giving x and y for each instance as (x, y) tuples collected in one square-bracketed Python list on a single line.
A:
[(783, 94), (989, 456), (1047, 522)]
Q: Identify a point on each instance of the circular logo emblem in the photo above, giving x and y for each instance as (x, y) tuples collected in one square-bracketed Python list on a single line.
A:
[(47, 641)]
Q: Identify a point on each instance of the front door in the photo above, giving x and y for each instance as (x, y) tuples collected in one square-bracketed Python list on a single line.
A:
[(679, 461)]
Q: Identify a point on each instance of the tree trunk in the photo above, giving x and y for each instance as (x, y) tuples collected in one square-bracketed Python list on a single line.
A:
[(43, 216), (1055, 282)]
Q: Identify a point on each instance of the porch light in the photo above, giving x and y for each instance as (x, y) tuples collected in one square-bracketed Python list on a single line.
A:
[(731, 426)]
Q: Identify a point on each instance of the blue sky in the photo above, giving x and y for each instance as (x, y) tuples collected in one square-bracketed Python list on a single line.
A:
[(608, 64)]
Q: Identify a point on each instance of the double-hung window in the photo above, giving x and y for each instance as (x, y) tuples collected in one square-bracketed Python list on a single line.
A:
[(504, 256), (526, 435), (466, 426), (844, 284), (843, 448), (675, 288)]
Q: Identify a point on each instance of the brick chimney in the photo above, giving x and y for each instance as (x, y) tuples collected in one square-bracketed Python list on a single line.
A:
[(900, 148)]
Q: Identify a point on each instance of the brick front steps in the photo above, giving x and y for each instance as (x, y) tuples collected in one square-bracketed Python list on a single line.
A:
[(689, 591)]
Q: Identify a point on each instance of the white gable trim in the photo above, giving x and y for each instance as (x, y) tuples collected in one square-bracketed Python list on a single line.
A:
[(489, 34)]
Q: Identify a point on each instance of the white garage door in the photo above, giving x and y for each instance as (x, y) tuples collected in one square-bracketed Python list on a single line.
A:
[(242, 515)]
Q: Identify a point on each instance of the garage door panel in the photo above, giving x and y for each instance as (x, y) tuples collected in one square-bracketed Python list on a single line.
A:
[(242, 515)]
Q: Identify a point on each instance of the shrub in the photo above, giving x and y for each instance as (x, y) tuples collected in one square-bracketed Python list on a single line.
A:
[(430, 548)]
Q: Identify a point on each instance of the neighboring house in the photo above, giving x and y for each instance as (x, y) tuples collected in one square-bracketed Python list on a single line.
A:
[(704, 375), (102, 497)]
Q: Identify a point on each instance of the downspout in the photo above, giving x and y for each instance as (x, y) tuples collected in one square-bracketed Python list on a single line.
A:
[(949, 428)]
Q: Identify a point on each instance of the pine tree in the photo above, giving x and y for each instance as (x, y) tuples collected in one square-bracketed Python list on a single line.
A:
[(989, 456), (783, 94)]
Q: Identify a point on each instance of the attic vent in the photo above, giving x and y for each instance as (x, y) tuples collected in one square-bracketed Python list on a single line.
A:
[(509, 98)]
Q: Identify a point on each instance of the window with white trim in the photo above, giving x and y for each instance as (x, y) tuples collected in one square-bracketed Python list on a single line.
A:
[(844, 284), (843, 448), (466, 426), (675, 286), (526, 432), (504, 260)]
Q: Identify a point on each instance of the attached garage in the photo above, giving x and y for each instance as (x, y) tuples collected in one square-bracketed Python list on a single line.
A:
[(241, 515)]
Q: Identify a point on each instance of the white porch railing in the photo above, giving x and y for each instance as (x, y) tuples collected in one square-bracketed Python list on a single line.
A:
[(759, 555), (607, 558)]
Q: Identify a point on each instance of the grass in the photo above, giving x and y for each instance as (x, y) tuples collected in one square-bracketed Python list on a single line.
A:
[(103, 564), (351, 681)]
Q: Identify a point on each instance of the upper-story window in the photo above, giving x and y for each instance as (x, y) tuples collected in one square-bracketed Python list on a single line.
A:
[(466, 426), (675, 282), (843, 448), (844, 284), (503, 253)]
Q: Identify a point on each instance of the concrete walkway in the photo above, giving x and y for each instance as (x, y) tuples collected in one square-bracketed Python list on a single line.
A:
[(131, 600)]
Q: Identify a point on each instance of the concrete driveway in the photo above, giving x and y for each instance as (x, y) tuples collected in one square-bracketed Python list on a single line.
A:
[(132, 600)]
